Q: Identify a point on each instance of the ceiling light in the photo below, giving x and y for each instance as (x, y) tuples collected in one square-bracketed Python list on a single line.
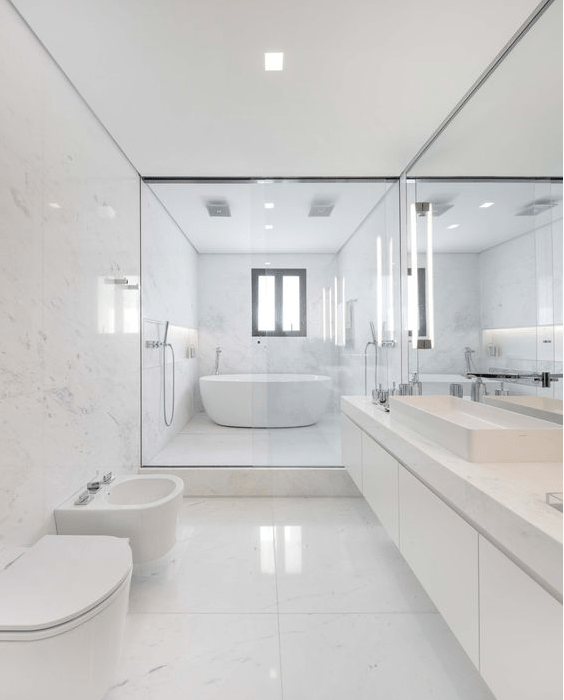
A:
[(54, 205), (269, 205), (453, 226), (268, 227), (486, 205), (273, 61), (267, 263)]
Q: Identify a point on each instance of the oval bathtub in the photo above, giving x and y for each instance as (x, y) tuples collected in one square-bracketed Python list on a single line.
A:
[(141, 507), (265, 400)]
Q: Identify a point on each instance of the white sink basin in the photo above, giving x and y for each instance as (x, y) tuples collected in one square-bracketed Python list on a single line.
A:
[(477, 432), (535, 406)]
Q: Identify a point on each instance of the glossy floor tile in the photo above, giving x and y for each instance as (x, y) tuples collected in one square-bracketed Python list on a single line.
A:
[(286, 598), (204, 443)]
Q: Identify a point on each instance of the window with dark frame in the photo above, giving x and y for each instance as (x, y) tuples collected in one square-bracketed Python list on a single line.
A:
[(278, 302)]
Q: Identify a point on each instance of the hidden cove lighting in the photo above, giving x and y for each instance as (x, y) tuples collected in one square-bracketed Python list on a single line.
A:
[(274, 61)]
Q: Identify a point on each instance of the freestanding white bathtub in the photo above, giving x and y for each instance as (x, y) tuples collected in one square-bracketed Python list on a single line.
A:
[(141, 507), (265, 400)]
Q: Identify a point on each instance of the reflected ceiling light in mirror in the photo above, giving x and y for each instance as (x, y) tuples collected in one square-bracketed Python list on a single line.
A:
[(269, 205), (429, 279), (55, 205), (486, 205), (274, 61), (268, 227), (453, 226), (267, 263), (379, 292), (391, 326)]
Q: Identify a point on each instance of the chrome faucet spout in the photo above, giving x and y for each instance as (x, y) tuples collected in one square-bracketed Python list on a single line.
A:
[(217, 354)]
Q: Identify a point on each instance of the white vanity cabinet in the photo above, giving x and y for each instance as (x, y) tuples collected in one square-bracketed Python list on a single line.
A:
[(380, 484), (442, 550), (351, 449), (520, 631)]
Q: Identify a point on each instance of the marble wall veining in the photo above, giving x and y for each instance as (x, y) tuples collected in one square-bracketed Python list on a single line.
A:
[(225, 318), (170, 280), (69, 291), (357, 264)]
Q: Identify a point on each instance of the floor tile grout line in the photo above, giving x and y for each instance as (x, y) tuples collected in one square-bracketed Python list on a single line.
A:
[(273, 502)]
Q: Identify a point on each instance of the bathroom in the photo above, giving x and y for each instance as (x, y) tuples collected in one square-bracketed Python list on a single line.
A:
[(94, 265)]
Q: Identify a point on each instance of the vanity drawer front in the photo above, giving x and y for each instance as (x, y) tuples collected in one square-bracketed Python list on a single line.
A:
[(442, 550), (351, 449), (380, 485), (520, 631)]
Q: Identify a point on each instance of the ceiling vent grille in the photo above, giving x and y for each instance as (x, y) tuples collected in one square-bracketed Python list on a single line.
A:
[(440, 207), (538, 206), (320, 208), (218, 208)]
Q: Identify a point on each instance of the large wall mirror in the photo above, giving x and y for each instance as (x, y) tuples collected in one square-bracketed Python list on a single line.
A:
[(492, 180)]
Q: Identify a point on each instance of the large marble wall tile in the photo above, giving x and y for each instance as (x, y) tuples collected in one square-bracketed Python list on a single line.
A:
[(170, 293), (69, 203)]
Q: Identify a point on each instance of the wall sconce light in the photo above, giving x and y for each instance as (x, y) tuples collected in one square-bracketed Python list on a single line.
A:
[(421, 296)]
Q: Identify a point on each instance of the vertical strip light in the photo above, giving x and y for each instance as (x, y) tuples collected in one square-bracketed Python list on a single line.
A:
[(391, 324), (324, 312), (379, 305), (330, 313), (413, 295), (336, 312), (343, 313), (429, 275)]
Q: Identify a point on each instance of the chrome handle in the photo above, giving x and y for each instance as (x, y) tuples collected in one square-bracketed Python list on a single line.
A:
[(83, 499)]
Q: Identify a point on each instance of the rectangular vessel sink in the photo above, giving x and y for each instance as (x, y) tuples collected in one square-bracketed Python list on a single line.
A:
[(534, 406), (477, 432)]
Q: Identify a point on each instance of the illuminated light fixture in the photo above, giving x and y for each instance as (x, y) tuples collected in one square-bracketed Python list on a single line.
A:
[(412, 282), (55, 205), (274, 61), (264, 182), (336, 312), (486, 205), (391, 291), (269, 205), (343, 314), (453, 226), (268, 227), (379, 291), (429, 279), (324, 314), (267, 263)]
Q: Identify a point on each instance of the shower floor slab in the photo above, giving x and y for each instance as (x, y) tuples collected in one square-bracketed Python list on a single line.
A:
[(203, 443)]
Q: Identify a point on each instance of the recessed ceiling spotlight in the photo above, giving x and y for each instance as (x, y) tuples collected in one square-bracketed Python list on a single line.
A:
[(486, 205), (453, 226), (269, 205), (268, 227), (273, 61), (54, 205), (267, 263)]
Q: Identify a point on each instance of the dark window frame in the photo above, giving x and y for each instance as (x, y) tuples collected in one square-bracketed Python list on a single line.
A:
[(279, 274)]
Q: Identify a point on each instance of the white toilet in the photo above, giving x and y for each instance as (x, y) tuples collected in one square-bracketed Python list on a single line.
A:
[(63, 604)]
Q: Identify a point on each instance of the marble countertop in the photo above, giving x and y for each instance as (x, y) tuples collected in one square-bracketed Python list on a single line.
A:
[(504, 502)]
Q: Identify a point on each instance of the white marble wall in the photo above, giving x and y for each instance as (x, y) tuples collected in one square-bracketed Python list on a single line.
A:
[(69, 227), (225, 318), (457, 314), (357, 263), (170, 280)]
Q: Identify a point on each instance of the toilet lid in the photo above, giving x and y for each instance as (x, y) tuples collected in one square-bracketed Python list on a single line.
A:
[(60, 578)]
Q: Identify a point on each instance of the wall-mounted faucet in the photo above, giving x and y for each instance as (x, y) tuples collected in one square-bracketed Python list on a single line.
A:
[(217, 354)]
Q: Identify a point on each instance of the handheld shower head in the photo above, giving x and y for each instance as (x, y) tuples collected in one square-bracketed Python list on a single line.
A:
[(165, 333), (373, 331)]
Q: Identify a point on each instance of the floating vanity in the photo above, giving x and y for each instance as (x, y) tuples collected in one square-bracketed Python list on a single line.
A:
[(479, 535)]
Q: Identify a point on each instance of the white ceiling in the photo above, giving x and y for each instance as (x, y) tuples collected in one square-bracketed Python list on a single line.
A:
[(513, 125), (180, 84), (481, 229), (293, 231)]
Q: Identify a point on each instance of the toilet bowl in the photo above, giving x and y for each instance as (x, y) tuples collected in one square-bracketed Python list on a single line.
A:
[(63, 604)]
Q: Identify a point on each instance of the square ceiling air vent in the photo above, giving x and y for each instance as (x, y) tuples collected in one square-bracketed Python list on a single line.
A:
[(319, 208), (218, 208)]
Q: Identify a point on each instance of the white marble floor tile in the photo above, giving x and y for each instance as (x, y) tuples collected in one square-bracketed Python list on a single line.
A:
[(204, 443), (222, 563), (199, 657), (369, 657), (332, 555)]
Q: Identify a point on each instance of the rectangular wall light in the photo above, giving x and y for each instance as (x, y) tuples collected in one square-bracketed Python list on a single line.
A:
[(274, 61)]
